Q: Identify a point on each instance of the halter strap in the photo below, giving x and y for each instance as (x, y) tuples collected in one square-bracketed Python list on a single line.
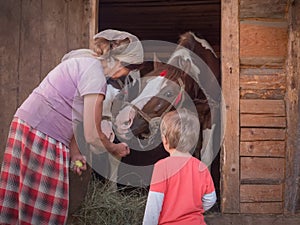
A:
[(175, 102), (142, 114), (177, 99)]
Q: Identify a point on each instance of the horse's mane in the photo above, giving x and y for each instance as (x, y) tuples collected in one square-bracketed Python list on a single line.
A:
[(196, 43), (190, 39)]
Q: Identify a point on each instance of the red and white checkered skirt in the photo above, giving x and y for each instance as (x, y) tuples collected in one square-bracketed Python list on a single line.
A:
[(34, 178)]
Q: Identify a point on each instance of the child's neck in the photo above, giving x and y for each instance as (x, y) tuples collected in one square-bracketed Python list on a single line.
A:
[(174, 152)]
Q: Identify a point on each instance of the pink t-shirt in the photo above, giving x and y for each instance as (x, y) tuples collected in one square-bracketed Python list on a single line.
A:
[(183, 181), (57, 103)]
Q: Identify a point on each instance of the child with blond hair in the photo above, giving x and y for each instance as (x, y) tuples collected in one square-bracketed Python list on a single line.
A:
[(181, 188)]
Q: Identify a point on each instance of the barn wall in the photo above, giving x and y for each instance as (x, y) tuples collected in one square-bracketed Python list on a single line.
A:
[(34, 37), (255, 156), (263, 126)]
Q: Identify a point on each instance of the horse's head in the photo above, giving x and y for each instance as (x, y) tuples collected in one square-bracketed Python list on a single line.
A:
[(167, 87), (185, 77)]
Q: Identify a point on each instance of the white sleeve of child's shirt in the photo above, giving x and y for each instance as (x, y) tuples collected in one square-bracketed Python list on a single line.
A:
[(208, 200), (153, 208)]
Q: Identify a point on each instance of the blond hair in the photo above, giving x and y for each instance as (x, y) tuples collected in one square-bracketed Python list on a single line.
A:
[(181, 129)]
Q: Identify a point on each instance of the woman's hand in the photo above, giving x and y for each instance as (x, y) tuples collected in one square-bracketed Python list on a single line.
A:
[(120, 150), (78, 164), (77, 160)]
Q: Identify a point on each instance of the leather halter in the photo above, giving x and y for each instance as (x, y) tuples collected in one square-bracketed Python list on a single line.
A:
[(155, 121)]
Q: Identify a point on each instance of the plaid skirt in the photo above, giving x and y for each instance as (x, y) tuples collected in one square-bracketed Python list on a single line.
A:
[(34, 187)]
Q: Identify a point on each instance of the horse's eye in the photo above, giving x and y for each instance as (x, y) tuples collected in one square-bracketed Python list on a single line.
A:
[(168, 94)]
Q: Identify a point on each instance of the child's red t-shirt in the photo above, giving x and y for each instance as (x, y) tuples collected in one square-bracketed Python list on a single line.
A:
[(183, 181)]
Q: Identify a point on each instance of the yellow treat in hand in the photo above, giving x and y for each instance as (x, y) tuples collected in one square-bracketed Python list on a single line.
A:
[(78, 163)]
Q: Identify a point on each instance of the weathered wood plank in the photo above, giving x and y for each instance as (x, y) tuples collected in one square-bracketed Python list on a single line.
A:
[(53, 34), (269, 61), (78, 18), (271, 107), (278, 94), (10, 16), (263, 9), (251, 120), (230, 183), (263, 148), (263, 39), (262, 208), (30, 52), (263, 42), (246, 71), (262, 134), (257, 168), (263, 83), (261, 193), (269, 82)]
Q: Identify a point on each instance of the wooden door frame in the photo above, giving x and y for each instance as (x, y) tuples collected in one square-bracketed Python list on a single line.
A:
[(292, 187), (230, 171), (230, 197), (93, 25), (230, 86)]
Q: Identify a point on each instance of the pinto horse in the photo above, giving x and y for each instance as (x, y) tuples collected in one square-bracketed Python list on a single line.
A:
[(191, 79)]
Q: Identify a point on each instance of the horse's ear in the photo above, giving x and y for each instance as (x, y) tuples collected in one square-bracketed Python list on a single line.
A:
[(156, 61), (187, 66), (183, 63)]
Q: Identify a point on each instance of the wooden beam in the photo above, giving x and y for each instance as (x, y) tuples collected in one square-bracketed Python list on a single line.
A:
[(93, 22), (230, 183), (292, 194)]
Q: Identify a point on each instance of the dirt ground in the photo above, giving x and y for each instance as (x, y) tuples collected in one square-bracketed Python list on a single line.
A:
[(247, 219)]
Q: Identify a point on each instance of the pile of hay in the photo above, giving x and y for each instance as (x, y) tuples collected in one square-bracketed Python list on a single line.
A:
[(106, 205)]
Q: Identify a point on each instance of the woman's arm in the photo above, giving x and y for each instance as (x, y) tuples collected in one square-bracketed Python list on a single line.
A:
[(92, 116)]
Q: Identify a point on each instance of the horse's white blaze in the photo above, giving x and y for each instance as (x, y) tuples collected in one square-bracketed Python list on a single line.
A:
[(151, 89), (125, 117)]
